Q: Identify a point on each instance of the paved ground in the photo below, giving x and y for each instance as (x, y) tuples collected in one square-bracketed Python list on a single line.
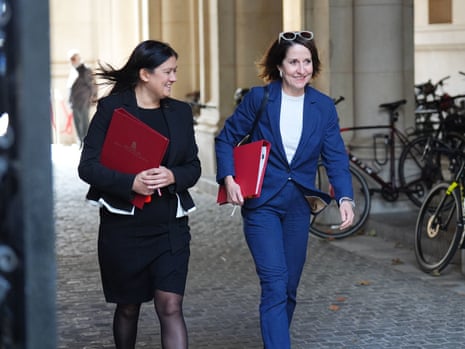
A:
[(361, 292)]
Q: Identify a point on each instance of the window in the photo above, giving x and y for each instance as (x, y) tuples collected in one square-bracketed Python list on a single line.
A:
[(440, 11)]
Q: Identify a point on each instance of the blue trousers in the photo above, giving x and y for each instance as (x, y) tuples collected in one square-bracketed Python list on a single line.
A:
[(277, 236)]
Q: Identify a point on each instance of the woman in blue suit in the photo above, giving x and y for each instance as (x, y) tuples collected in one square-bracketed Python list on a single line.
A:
[(302, 126)]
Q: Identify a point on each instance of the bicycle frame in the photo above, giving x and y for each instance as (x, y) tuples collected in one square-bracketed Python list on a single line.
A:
[(440, 223), (462, 197), (459, 181), (393, 133), (326, 224)]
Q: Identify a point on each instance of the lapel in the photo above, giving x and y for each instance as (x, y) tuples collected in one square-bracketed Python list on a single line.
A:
[(130, 103), (273, 110), (309, 124), (169, 110), (309, 121)]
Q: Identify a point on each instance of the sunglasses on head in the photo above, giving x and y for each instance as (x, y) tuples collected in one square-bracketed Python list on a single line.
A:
[(290, 36)]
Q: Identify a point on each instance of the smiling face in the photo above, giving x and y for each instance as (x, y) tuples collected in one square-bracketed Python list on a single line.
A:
[(296, 70), (160, 80)]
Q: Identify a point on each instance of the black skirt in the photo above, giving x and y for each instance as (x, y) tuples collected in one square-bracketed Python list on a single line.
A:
[(136, 254)]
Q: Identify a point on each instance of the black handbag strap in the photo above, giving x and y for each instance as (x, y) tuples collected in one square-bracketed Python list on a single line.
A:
[(257, 117)]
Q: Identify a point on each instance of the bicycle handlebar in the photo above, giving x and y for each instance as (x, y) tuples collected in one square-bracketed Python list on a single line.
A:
[(430, 88), (442, 80), (338, 100)]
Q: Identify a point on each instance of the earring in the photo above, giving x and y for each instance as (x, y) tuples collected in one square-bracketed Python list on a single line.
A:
[(280, 74)]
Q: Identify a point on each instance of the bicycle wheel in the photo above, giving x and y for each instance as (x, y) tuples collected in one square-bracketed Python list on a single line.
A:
[(326, 223), (438, 228), (454, 140), (420, 170)]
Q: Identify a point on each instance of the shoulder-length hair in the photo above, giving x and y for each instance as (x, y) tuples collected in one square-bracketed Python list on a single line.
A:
[(275, 54)]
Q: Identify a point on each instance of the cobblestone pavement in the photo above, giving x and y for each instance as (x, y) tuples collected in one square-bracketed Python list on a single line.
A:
[(347, 298)]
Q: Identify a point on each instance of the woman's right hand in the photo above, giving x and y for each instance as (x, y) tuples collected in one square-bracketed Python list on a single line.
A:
[(233, 191)]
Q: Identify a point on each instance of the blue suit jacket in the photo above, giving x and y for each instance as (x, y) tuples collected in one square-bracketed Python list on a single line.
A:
[(320, 138)]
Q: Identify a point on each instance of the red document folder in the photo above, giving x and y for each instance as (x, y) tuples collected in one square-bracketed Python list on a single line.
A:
[(250, 164), (132, 146)]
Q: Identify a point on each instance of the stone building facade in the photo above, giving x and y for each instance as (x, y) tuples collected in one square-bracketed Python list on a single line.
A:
[(371, 51)]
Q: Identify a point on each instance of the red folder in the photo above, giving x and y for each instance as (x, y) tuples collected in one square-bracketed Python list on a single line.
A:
[(250, 164), (132, 146)]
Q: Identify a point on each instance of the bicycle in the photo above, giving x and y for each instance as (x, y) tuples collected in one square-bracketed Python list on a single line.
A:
[(435, 109), (439, 229), (421, 164)]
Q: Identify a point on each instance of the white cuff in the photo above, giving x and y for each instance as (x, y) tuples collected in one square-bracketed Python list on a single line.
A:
[(345, 198)]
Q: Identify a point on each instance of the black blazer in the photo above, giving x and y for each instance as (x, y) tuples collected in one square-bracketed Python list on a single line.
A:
[(182, 151)]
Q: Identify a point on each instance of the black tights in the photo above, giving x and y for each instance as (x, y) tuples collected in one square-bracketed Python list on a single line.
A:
[(125, 325), (168, 307)]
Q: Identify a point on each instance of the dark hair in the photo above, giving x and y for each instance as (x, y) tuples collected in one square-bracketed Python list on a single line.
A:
[(274, 56), (148, 55)]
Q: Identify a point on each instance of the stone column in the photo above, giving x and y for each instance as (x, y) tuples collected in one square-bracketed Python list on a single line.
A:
[(176, 24), (366, 47), (382, 46), (232, 36), (383, 72), (293, 11), (341, 58), (116, 30), (212, 76), (332, 23)]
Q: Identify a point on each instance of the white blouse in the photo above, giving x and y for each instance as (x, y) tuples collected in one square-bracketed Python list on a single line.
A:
[(290, 123)]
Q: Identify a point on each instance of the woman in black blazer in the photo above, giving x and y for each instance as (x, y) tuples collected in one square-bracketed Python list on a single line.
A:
[(144, 253)]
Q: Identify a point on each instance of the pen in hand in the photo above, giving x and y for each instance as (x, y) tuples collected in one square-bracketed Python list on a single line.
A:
[(148, 198)]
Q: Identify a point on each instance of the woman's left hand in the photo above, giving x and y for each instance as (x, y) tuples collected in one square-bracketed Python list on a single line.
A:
[(347, 214), (156, 178)]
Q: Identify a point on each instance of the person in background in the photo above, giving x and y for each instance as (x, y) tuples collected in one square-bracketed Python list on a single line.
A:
[(301, 124), (82, 93), (144, 256)]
